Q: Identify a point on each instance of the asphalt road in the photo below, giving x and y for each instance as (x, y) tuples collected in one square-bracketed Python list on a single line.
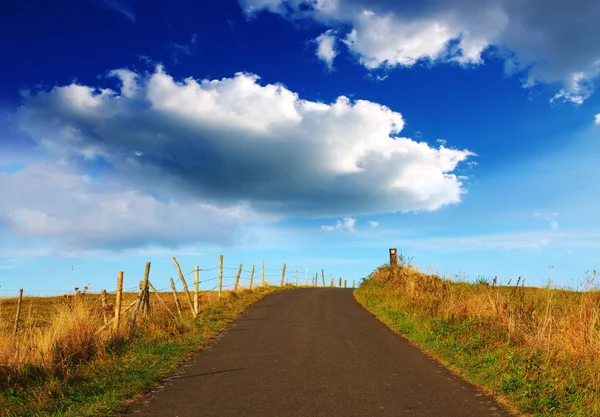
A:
[(313, 352)]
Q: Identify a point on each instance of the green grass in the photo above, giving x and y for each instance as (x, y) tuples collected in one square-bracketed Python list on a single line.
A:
[(528, 379), (129, 366)]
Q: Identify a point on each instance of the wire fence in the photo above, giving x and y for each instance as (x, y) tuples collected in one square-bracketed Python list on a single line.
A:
[(262, 276)]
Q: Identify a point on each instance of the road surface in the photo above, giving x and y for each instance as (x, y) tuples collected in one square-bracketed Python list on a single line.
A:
[(313, 352)]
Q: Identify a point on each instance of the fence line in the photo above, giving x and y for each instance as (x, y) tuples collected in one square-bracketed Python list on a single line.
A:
[(286, 277)]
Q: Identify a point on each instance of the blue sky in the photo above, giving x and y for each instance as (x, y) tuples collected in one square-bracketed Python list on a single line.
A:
[(317, 133)]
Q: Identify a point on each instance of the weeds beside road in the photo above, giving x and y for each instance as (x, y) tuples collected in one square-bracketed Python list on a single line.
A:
[(536, 349), (64, 366)]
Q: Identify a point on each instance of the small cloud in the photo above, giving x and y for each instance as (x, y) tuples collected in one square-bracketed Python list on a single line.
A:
[(347, 223), (373, 224), (326, 48), (472, 164), (549, 217), (597, 120), (442, 141), (182, 49), (121, 7), (418, 134)]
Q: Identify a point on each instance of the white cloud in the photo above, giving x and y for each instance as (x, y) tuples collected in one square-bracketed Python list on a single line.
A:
[(122, 6), (347, 223), (178, 49), (233, 141), (549, 217), (597, 119), (526, 240), (544, 41), (326, 48), (51, 200), (373, 223)]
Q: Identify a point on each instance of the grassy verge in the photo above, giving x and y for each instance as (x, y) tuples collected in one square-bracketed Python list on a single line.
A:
[(537, 350), (115, 371)]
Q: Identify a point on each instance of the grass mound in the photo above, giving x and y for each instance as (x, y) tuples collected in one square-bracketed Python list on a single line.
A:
[(538, 350)]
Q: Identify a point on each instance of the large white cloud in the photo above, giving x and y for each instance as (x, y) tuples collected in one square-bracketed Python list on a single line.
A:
[(52, 200), (547, 41), (200, 156)]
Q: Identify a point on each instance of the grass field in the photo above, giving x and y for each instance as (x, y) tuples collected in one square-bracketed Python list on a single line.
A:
[(63, 364), (537, 350)]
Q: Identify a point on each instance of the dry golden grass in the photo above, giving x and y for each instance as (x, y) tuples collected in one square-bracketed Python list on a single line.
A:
[(537, 347), (558, 322), (59, 332)]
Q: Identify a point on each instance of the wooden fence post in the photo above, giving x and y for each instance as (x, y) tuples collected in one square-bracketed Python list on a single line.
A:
[(340, 284), (143, 306), (262, 265), (104, 307), (237, 279), (353, 282), (344, 283), (141, 295), (323, 276), (316, 281), (177, 304), (196, 288), (185, 287), (251, 277), (307, 277), (18, 315), (220, 275), (146, 297), (147, 301), (118, 301), (282, 275)]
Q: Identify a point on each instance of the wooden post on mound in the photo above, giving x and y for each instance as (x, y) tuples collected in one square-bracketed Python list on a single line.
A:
[(316, 279), (262, 282), (177, 303), (282, 275), (251, 277), (104, 307), (185, 287), (18, 315), (220, 275), (393, 258), (118, 301), (196, 289), (237, 279), (344, 283), (353, 282), (340, 284), (323, 276)]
